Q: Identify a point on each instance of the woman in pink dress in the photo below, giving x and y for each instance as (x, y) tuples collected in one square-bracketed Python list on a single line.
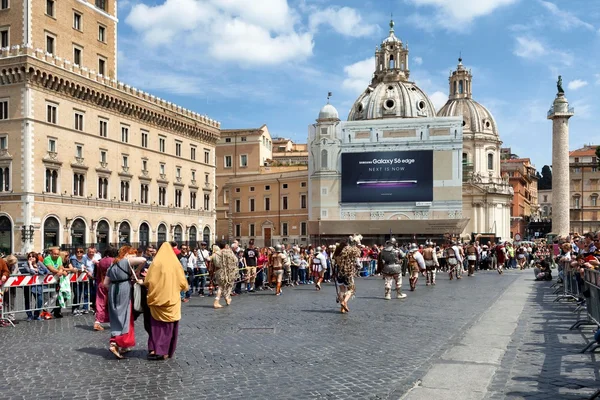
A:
[(102, 291)]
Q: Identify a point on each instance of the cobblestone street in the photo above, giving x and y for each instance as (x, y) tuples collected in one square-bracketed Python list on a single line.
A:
[(295, 346)]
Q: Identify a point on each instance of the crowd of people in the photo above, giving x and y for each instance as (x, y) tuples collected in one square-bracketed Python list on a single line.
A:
[(127, 283)]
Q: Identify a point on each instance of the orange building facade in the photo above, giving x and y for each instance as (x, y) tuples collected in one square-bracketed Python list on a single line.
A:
[(522, 177)]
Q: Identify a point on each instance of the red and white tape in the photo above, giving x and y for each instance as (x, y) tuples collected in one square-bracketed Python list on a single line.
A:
[(32, 280)]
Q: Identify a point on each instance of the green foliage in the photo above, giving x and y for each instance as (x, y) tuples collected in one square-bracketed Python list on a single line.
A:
[(545, 179)]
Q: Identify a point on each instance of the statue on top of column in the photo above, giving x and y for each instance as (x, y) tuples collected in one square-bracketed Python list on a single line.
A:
[(559, 85)]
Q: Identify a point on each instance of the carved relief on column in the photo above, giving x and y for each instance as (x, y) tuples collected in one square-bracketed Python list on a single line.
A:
[(377, 215)]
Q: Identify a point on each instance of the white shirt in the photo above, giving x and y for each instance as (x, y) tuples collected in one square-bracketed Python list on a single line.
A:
[(319, 262), (191, 261), (419, 259), (457, 254)]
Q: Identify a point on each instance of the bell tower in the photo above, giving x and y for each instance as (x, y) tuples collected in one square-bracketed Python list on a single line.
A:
[(460, 82), (391, 60)]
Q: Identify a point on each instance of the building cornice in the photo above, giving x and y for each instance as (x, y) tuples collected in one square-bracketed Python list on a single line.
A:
[(42, 70)]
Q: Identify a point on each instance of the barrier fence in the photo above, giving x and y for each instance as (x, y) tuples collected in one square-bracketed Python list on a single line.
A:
[(34, 294)]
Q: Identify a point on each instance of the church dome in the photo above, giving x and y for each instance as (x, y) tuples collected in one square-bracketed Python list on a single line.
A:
[(328, 112), (391, 94), (400, 99), (476, 118)]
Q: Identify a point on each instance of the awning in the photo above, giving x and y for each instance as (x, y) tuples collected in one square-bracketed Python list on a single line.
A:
[(397, 227)]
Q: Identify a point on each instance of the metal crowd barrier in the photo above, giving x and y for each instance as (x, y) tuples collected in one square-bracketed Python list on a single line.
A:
[(32, 294), (592, 295), (570, 289)]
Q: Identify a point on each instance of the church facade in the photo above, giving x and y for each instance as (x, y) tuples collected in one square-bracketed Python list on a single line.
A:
[(398, 167)]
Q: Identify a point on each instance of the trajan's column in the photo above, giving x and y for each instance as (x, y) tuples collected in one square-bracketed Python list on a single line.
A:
[(560, 114)]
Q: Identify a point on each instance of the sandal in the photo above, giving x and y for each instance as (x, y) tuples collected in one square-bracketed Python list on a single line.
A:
[(98, 327), (115, 350)]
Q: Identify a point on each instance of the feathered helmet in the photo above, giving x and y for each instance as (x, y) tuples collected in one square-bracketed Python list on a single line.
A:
[(355, 239)]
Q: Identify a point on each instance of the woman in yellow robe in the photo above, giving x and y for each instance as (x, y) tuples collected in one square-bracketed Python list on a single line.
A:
[(165, 281)]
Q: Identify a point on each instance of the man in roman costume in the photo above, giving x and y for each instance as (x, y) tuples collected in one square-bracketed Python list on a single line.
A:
[(388, 264), (431, 262)]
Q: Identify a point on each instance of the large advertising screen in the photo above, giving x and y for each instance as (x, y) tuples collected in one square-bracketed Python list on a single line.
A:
[(387, 176)]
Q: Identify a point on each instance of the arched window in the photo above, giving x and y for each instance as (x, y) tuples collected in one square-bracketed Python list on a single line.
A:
[(5, 235), (124, 233), (161, 234), (545, 212), (78, 234), (102, 235), (51, 232), (594, 200), (490, 161), (576, 202), (455, 87), (324, 159), (178, 234), (460, 87), (193, 237), (144, 234), (206, 235), (392, 62)]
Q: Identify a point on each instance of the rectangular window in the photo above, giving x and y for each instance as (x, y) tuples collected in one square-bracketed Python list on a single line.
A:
[(4, 41), (103, 188), (5, 178), (103, 128), (303, 201), (102, 66), (51, 113), (178, 198), (227, 161), (238, 190), (51, 180), (284, 203), (125, 134), (79, 151), (285, 185), (243, 139), (49, 44), (162, 169), (3, 143), (101, 33), (124, 190), (193, 153), (206, 156), (77, 55), (161, 144), (238, 205), (238, 230), (50, 8), (252, 188), (576, 159), (144, 165), (227, 140), (251, 230), (144, 191), (78, 121), (145, 139), (78, 184), (4, 4), (162, 196), (594, 201), (207, 202), (178, 149), (193, 200), (302, 228), (77, 21), (125, 162), (267, 187), (205, 177), (178, 172), (284, 229), (303, 184), (251, 205), (267, 204), (52, 145), (243, 160), (103, 156), (4, 109)]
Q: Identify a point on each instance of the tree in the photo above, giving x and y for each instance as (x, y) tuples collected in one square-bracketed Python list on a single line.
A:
[(545, 180), (598, 155)]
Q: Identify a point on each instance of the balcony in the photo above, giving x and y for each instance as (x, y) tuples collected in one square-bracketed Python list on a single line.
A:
[(570, 110)]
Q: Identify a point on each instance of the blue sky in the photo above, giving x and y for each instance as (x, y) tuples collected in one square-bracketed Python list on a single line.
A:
[(252, 62)]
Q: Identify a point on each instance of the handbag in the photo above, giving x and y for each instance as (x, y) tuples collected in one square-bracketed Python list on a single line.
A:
[(137, 293)]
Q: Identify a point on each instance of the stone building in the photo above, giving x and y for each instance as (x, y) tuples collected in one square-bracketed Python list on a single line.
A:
[(522, 177), (393, 168), (545, 201), (487, 195), (87, 159), (584, 190), (262, 188)]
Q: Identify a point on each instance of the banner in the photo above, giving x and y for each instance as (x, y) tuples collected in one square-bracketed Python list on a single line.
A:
[(387, 176)]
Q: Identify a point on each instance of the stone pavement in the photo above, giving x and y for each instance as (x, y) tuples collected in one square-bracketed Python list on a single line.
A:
[(297, 346)]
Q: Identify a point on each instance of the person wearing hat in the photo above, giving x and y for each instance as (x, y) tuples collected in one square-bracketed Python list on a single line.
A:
[(416, 263), (431, 262), (388, 265), (345, 257), (277, 261), (318, 265)]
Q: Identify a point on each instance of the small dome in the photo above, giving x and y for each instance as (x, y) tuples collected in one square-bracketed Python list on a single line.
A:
[(476, 118), (399, 99), (328, 112)]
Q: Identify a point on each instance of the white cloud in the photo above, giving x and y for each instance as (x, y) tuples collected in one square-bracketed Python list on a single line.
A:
[(565, 19), (455, 15), (438, 99), (258, 33), (346, 21), (529, 48), (577, 84), (358, 75), (417, 60)]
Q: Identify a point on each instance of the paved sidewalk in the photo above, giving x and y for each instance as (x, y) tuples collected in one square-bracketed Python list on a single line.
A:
[(521, 348)]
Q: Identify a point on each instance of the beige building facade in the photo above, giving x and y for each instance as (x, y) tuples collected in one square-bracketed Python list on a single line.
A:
[(87, 159), (584, 190)]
